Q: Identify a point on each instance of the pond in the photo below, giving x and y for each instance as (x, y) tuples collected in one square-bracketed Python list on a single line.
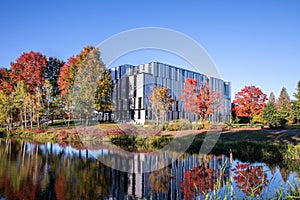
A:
[(60, 171)]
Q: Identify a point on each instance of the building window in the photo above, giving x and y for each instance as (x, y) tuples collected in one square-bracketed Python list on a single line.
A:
[(134, 81), (146, 114), (140, 103), (121, 104), (150, 69), (139, 114)]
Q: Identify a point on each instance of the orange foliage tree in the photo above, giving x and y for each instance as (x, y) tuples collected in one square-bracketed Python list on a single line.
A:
[(199, 99), (66, 82), (5, 82), (249, 101)]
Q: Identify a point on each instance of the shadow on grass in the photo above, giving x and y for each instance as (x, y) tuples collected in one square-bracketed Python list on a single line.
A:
[(271, 147), (266, 136)]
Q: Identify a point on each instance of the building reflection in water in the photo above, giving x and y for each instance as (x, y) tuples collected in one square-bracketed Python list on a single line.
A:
[(48, 171)]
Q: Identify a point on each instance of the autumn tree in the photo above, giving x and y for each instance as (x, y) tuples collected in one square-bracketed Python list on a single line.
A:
[(103, 93), (161, 102), (67, 76), (89, 74), (249, 101), (296, 104), (5, 82), (66, 84), (283, 105), (5, 109), (199, 98), (30, 69)]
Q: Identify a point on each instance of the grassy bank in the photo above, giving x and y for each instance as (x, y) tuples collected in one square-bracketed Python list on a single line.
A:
[(43, 135), (246, 144)]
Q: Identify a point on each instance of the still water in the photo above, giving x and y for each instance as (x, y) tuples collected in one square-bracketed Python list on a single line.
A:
[(60, 171)]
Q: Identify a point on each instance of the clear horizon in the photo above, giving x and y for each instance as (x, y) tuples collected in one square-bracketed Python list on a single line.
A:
[(252, 43)]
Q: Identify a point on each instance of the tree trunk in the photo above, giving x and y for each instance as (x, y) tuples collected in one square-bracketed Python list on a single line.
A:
[(86, 155), (87, 120), (21, 119), (10, 122), (68, 122), (38, 120), (31, 119), (25, 117)]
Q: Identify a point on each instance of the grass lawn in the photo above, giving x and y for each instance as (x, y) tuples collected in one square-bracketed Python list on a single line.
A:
[(293, 127), (261, 136)]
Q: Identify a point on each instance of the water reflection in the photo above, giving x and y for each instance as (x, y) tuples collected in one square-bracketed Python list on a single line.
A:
[(51, 171), (250, 179)]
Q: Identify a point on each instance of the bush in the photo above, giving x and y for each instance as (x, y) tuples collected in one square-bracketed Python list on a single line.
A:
[(180, 124), (228, 125), (206, 124), (159, 142), (257, 119), (149, 123)]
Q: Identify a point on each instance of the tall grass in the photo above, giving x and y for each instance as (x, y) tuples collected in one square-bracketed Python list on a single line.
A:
[(226, 190)]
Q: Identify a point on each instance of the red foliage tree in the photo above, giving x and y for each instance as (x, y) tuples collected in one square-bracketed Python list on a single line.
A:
[(29, 68), (249, 101), (250, 179), (199, 99)]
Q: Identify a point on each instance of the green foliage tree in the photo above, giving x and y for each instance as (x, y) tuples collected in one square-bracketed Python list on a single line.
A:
[(52, 73), (51, 87), (19, 98), (5, 109), (283, 105), (270, 112), (38, 105), (296, 104)]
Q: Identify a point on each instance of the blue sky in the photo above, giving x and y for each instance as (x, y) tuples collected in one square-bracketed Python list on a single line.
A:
[(251, 42)]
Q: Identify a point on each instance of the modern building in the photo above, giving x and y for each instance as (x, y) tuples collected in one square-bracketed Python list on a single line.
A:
[(133, 86)]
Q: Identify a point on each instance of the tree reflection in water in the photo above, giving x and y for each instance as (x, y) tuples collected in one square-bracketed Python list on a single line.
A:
[(199, 180), (160, 179), (31, 171), (250, 179)]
